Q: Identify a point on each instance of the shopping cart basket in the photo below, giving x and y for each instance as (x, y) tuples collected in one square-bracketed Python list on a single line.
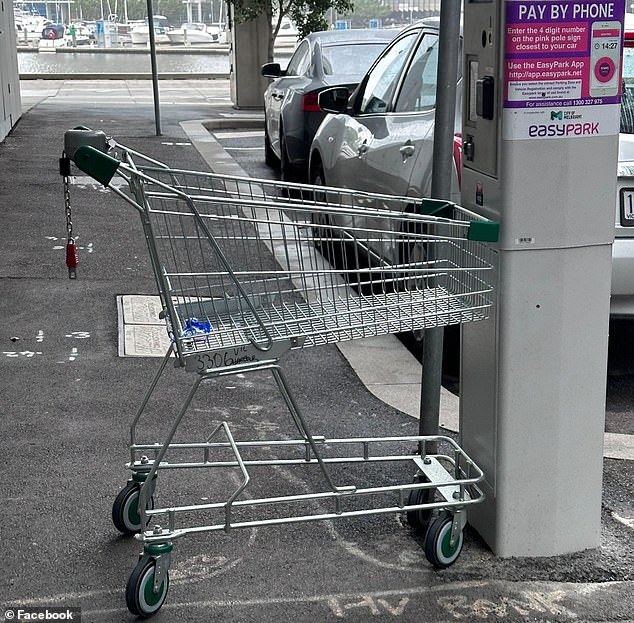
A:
[(247, 270)]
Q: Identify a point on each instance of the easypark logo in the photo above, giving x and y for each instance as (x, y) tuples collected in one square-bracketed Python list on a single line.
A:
[(565, 129)]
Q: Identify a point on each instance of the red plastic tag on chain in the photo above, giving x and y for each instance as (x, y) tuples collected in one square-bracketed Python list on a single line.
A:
[(72, 260)]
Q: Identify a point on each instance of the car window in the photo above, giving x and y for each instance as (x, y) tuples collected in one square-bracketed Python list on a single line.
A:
[(627, 97), (352, 60), (419, 86), (300, 60), (382, 80)]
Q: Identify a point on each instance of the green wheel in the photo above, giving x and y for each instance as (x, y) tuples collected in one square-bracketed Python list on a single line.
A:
[(139, 593), (419, 519), (125, 511), (438, 548)]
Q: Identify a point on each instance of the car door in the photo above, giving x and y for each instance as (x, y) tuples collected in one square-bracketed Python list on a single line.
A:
[(362, 130), (280, 88), (405, 132), (396, 112)]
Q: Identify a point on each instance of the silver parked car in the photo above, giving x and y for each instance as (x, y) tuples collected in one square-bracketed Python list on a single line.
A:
[(622, 301), (321, 60), (379, 138)]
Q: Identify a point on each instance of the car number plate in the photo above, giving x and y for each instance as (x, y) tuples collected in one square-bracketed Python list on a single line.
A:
[(627, 207)]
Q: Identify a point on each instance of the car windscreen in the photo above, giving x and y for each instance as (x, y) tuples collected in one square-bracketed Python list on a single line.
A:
[(627, 97), (350, 60)]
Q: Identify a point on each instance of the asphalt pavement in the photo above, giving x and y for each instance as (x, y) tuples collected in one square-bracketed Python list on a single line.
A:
[(69, 397)]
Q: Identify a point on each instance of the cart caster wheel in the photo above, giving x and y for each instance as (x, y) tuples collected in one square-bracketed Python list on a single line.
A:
[(419, 519), (139, 593), (125, 513), (438, 548)]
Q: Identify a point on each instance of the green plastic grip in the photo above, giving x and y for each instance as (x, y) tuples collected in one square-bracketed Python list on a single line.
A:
[(479, 231), (95, 163), (436, 207), (484, 231)]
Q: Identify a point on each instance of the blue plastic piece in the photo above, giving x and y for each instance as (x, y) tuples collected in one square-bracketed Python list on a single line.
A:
[(193, 326)]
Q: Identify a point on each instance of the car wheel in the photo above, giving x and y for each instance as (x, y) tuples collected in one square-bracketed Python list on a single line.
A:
[(322, 233), (327, 236), (317, 177), (412, 252), (288, 172), (269, 155)]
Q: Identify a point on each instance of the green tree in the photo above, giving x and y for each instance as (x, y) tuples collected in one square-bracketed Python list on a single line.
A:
[(174, 10), (365, 10), (308, 15)]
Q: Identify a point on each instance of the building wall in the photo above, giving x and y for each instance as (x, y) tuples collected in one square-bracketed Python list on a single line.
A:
[(10, 105)]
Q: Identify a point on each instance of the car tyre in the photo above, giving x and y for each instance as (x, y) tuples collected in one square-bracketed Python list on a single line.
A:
[(322, 232), (270, 158), (412, 251), (288, 172)]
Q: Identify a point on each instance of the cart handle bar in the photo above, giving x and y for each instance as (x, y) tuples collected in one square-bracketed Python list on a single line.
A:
[(102, 167), (97, 164)]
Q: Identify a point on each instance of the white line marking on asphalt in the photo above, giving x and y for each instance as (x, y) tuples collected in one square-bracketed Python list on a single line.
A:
[(524, 602), (271, 601), (243, 113), (626, 521), (238, 133)]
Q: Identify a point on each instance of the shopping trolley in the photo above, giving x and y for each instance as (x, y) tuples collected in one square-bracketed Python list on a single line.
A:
[(248, 270)]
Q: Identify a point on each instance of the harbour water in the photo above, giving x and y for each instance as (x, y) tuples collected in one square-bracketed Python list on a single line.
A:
[(113, 63), (136, 61)]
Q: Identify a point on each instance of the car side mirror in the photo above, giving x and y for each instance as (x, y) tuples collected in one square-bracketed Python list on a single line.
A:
[(271, 70), (334, 100)]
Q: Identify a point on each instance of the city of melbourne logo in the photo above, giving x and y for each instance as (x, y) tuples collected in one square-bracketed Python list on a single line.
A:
[(564, 115)]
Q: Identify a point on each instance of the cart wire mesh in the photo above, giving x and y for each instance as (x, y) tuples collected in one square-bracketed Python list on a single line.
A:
[(248, 267)]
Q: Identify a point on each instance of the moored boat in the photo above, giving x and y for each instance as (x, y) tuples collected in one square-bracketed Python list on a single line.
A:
[(140, 34), (193, 33)]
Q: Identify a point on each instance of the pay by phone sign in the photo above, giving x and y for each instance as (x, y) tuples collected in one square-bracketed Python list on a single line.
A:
[(562, 68)]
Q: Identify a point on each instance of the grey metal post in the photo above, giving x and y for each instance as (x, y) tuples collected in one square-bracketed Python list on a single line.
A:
[(157, 111), (448, 57)]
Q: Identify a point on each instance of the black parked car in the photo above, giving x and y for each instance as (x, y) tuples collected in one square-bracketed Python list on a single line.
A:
[(321, 60)]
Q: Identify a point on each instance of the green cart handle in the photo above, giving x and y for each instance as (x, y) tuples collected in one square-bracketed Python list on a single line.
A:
[(95, 163)]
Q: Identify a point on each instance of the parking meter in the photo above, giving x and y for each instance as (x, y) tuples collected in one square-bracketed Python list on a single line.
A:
[(540, 144)]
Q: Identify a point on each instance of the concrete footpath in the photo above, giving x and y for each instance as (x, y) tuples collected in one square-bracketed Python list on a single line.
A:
[(69, 396)]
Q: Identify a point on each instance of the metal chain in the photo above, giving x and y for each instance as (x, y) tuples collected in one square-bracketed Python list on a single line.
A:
[(71, 249), (69, 219)]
